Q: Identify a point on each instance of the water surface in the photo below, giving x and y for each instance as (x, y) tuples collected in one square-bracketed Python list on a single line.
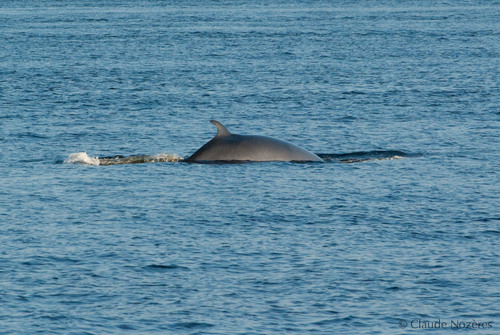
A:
[(171, 247)]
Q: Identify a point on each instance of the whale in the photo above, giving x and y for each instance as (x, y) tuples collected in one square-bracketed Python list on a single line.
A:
[(226, 146)]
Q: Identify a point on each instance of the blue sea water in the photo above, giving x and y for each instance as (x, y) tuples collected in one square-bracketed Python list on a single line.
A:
[(399, 228)]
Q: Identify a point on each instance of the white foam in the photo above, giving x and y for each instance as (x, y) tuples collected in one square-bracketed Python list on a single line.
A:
[(168, 158), (81, 158), (84, 158)]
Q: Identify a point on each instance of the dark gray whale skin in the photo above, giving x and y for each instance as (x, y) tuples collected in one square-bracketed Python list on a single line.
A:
[(252, 148)]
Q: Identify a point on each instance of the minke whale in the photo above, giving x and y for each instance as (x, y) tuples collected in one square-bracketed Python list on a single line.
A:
[(226, 146)]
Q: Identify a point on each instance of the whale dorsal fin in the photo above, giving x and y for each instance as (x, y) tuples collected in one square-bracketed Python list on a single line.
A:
[(221, 130)]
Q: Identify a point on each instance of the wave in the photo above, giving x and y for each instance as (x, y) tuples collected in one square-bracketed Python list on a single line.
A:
[(353, 157)]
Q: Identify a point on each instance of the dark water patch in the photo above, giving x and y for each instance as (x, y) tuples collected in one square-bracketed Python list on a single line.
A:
[(44, 260), (354, 92), (490, 219), (32, 135), (394, 288), (438, 282), (326, 322), (57, 317), (192, 325), (165, 267), (491, 232), (363, 156), (33, 160)]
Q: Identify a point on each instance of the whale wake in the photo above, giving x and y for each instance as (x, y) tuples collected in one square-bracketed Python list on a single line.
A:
[(84, 158), (354, 157)]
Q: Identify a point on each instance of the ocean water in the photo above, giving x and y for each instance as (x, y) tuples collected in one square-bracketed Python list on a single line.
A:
[(398, 229)]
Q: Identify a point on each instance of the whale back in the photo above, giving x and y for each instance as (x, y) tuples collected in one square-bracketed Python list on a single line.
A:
[(226, 146)]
